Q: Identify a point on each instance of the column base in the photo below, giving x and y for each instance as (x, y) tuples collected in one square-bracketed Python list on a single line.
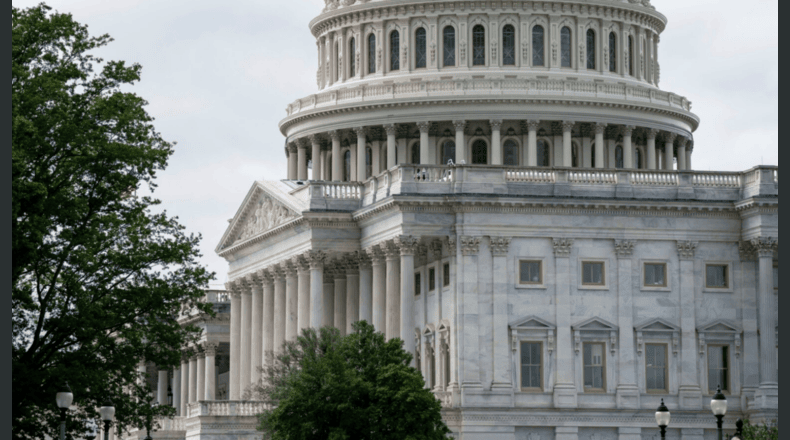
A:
[(565, 395), (689, 397), (455, 394), (501, 386), (766, 397), (629, 433), (627, 397), (566, 433)]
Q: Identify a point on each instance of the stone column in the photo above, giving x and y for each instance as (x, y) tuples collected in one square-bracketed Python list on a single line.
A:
[(177, 391), (184, 379), (365, 288), (316, 145), (210, 387), (767, 396), (669, 140), (161, 386), (246, 333), (651, 149), (391, 158), (201, 375), (425, 149), (501, 367), (328, 317), (353, 170), (567, 155), (291, 298), (392, 315), (315, 259), (361, 142), (256, 339), (339, 272), (628, 149), (453, 334), (564, 387), (496, 142), (531, 158), (682, 153), (267, 340), (689, 392), (352, 291), (379, 301), (303, 272), (689, 149), (292, 162), (600, 127), (192, 377), (469, 318), (375, 159), (235, 343), (627, 394), (279, 308), (408, 246), (749, 306), (301, 162), (337, 163), (460, 142)]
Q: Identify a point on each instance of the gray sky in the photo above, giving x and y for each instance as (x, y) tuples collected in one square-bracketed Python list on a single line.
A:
[(218, 77)]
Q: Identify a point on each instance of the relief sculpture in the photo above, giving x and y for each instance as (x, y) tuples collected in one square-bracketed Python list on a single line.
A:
[(267, 214)]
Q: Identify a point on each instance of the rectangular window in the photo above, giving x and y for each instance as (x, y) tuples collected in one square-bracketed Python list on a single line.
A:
[(530, 272), (776, 277), (446, 275), (655, 275), (417, 283), (718, 368), (593, 274), (656, 367), (531, 366), (594, 367), (431, 279), (716, 276)]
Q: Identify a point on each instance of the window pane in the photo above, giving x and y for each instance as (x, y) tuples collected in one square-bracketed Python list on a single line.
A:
[(368, 162), (716, 275), (448, 152), (415, 153), (612, 52), (431, 279), (449, 46), (351, 57), (508, 45), (565, 47), (446, 273), (655, 275), (347, 166), (480, 152), (543, 153), (618, 157), (530, 365), (394, 50), (592, 273), (529, 272), (372, 53), (478, 46), (655, 362), (631, 55), (511, 152), (417, 283), (590, 49), (420, 51), (537, 46), (718, 370)]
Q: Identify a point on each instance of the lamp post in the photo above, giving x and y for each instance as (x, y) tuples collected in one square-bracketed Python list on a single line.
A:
[(738, 430), (662, 419), (149, 421), (107, 413), (64, 399), (719, 407), (169, 395)]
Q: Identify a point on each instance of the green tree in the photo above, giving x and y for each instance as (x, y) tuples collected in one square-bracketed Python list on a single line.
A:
[(97, 278), (760, 432), (359, 386)]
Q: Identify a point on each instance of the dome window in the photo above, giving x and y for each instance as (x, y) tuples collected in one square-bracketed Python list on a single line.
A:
[(449, 45), (508, 46), (590, 49), (372, 53), (480, 152), (478, 46), (394, 50), (565, 47), (352, 50), (511, 153), (420, 51), (448, 152), (537, 45), (612, 52)]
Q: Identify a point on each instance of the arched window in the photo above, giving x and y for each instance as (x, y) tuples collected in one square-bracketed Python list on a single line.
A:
[(638, 158), (592, 155), (478, 45), (565, 46), (480, 152), (590, 49), (394, 50), (537, 45), (448, 36), (337, 62), (372, 53), (352, 51), (508, 46), (511, 153), (575, 156), (419, 50), (415, 153), (368, 162), (631, 55), (448, 152), (543, 153), (347, 166), (328, 167), (618, 157), (612, 52)]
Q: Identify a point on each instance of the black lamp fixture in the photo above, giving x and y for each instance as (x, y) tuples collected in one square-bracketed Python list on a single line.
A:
[(738, 430), (107, 412), (662, 419), (719, 407), (64, 397), (169, 395)]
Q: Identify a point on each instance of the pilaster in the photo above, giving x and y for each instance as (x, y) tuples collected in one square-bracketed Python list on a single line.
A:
[(627, 390), (689, 392), (565, 393)]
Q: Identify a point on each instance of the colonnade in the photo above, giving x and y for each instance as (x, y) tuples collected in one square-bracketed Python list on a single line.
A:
[(371, 150)]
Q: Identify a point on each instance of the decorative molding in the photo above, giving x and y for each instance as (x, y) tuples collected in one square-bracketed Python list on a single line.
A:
[(315, 258), (686, 249), (624, 248), (764, 246), (268, 214), (407, 244), (562, 247), (499, 246), (470, 245)]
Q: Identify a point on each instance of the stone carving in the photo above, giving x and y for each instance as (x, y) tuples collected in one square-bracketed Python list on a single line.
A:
[(495, 123), (463, 51), (315, 258), (624, 248), (470, 245), (746, 250), (686, 249), (600, 127), (651, 133), (210, 348), (533, 436), (376, 254), (764, 246), (407, 244), (424, 126), (452, 245), (266, 214), (562, 247), (567, 125), (500, 245), (524, 50), (627, 130), (391, 129)]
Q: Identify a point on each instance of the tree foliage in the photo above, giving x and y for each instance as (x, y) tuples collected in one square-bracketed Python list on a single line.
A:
[(760, 432), (359, 386), (97, 278)]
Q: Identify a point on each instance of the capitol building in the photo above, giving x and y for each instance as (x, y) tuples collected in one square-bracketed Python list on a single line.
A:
[(504, 186)]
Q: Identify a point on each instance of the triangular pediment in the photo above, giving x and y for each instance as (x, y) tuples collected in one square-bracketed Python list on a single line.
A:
[(530, 322), (656, 325), (267, 206), (719, 326), (595, 323), (429, 329)]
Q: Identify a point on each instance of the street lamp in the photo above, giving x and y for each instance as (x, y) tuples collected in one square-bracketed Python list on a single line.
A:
[(169, 395), (719, 407), (662, 418), (738, 430), (64, 399), (107, 412)]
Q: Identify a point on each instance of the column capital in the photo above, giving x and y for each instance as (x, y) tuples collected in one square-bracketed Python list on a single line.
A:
[(210, 348), (266, 276), (627, 130), (391, 129), (746, 250), (682, 141), (624, 248), (233, 288), (421, 255), (375, 253), (459, 125), (334, 135), (291, 148), (686, 249), (424, 126), (599, 127), (391, 250), (435, 247), (302, 264), (245, 284), (532, 124), (289, 267), (407, 244), (562, 247), (652, 133), (764, 246), (363, 259), (495, 123), (315, 258), (338, 268), (669, 137), (567, 126), (314, 139), (302, 143), (452, 244), (470, 245), (351, 263), (277, 271), (360, 131), (500, 246)]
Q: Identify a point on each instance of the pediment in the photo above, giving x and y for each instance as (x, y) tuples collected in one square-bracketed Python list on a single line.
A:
[(530, 322), (595, 324), (719, 326), (429, 329), (267, 206), (444, 325), (656, 325)]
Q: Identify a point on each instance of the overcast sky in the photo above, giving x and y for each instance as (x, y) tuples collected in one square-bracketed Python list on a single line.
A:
[(219, 75)]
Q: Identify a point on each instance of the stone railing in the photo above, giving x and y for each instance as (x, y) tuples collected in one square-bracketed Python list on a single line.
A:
[(477, 87), (218, 298), (226, 408)]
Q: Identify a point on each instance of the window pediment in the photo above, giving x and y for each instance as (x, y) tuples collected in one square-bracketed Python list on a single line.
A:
[(657, 328), (718, 331), (597, 329), (532, 327)]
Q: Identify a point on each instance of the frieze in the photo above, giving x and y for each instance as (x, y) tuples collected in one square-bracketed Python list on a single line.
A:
[(268, 214)]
